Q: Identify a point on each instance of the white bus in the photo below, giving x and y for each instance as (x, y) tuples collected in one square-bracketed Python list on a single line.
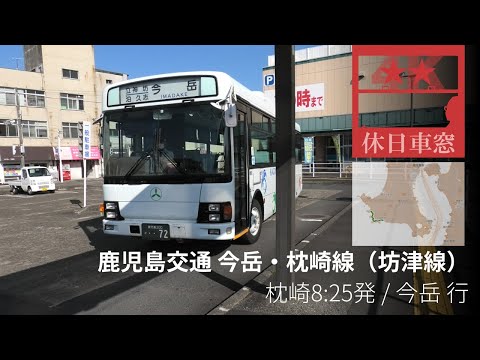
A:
[(189, 156)]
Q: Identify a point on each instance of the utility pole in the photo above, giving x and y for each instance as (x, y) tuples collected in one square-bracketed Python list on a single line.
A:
[(60, 170), (285, 148), (20, 128)]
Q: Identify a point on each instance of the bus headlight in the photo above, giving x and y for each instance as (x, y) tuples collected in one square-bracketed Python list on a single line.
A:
[(111, 210), (214, 207), (110, 214), (217, 212), (214, 217), (111, 206)]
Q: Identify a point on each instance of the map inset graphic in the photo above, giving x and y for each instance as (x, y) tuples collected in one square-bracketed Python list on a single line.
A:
[(408, 204)]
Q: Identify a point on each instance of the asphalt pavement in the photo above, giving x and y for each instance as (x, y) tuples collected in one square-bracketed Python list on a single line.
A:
[(327, 292), (50, 251), (66, 185)]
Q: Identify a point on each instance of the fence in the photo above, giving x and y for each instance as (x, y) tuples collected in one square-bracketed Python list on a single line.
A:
[(327, 169)]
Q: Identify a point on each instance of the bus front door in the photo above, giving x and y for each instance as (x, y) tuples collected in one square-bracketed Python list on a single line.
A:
[(241, 173)]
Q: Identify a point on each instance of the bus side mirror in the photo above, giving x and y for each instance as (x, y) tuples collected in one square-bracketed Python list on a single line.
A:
[(231, 115)]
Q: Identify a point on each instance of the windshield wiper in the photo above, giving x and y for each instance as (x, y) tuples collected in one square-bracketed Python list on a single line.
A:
[(137, 163)]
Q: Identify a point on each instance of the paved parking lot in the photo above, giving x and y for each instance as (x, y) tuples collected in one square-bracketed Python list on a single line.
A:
[(49, 257)]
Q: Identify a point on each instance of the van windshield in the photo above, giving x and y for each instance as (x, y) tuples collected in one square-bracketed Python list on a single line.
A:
[(38, 172)]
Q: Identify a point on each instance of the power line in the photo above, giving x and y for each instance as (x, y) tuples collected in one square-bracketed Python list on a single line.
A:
[(60, 91), (51, 97), (57, 91)]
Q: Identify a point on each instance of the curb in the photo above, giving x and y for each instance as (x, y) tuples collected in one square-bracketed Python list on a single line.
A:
[(229, 303)]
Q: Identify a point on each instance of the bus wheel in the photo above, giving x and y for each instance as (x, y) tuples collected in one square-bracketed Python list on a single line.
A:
[(256, 219), (30, 191)]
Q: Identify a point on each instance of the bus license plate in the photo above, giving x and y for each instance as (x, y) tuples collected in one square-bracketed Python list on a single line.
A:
[(156, 232)]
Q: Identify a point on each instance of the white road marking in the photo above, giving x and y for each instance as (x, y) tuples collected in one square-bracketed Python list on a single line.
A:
[(25, 196), (41, 202), (273, 218), (43, 213), (310, 219), (16, 196), (221, 308)]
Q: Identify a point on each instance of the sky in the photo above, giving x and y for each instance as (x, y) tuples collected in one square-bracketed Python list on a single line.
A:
[(243, 62)]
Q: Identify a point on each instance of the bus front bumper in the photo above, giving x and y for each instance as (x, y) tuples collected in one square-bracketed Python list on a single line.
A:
[(178, 229)]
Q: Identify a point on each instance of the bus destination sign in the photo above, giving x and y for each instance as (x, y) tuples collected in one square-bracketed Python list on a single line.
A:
[(160, 90)]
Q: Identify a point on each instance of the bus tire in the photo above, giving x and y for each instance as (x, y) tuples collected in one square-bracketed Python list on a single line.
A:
[(256, 220), (30, 191)]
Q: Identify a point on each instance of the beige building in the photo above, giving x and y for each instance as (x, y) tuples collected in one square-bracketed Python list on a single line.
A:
[(59, 88), (323, 88)]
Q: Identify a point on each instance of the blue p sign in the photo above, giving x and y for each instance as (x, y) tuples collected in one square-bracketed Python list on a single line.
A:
[(269, 80)]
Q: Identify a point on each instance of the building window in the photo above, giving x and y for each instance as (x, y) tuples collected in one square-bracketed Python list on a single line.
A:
[(34, 129), (7, 96), (70, 130), (331, 151), (70, 74), (35, 98), (7, 130), (108, 81), (71, 101), (347, 147), (299, 149), (26, 97)]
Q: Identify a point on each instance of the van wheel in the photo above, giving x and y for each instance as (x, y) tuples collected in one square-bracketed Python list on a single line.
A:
[(256, 219), (30, 192), (14, 191)]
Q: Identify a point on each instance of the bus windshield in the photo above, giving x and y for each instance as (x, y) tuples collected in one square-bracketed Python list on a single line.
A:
[(176, 142)]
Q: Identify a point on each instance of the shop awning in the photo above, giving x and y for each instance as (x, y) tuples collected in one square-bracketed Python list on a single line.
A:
[(32, 153), (73, 153)]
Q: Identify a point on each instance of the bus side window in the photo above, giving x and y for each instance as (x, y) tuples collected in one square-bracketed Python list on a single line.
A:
[(220, 163)]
